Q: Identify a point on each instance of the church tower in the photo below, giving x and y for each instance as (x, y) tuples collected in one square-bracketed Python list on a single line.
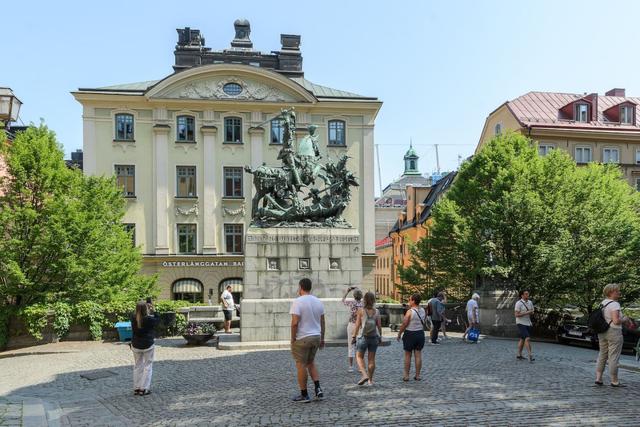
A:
[(411, 162)]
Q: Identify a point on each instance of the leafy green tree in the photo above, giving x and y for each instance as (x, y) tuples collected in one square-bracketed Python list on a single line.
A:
[(62, 234), (526, 221)]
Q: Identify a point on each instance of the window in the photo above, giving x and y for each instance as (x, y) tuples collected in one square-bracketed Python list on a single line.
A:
[(186, 181), (185, 129), (637, 184), (336, 132), (626, 115), (131, 230), (232, 182), (582, 113), (543, 149), (498, 129), (277, 131), (233, 238), (126, 178), (124, 127), (583, 154), (637, 157), (187, 238), (610, 155), (232, 89), (233, 130)]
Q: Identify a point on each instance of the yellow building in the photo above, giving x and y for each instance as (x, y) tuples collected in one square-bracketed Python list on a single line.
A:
[(592, 128), (383, 269), (178, 146)]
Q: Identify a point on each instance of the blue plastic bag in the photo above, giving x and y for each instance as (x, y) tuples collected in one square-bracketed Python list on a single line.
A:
[(473, 335)]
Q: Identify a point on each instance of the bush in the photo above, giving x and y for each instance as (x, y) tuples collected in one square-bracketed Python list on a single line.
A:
[(6, 312), (91, 314), (62, 318), (35, 318)]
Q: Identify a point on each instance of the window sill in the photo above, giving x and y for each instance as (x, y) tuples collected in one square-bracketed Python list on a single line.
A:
[(276, 143), (337, 145), (186, 197), (232, 143), (132, 141), (131, 197), (186, 142), (233, 198)]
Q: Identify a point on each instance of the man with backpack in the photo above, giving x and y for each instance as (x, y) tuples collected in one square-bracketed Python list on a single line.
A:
[(524, 309), (435, 310)]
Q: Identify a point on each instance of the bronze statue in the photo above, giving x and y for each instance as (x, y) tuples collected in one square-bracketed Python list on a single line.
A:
[(288, 195)]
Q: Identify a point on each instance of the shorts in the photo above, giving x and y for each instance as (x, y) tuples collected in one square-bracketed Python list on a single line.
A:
[(228, 314), (369, 344), (304, 350), (413, 340), (524, 331)]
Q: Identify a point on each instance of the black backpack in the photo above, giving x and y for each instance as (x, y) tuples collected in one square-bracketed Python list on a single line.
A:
[(597, 322)]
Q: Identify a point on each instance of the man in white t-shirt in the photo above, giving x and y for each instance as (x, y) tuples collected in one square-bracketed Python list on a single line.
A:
[(228, 306), (307, 335), (473, 314), (523, 310)]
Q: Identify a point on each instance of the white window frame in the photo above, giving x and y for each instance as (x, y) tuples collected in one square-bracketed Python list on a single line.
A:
[(637, 156), (578, 117), (583, 147), (630, 109), (546, 147), (610, 149)]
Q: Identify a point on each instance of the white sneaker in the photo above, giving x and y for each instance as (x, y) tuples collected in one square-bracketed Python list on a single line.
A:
[(350, 369)]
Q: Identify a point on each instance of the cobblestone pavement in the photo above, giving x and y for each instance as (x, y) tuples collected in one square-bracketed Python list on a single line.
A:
[(464, 384)]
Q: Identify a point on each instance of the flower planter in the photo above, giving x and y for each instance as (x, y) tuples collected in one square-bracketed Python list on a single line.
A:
[(197, 339)]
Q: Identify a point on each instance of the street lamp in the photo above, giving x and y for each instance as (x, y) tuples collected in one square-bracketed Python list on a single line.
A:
[(9, 106)]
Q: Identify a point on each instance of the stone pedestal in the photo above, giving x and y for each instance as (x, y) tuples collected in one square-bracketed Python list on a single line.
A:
[(275, 261), (497, 316)]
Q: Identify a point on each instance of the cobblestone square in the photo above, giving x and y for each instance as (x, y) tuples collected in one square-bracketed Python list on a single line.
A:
[(463, 384)]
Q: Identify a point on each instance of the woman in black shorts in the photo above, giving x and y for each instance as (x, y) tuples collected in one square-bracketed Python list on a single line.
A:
[(413, 338)]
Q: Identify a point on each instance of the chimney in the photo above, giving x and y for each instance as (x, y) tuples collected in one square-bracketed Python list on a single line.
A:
[(616, 92)]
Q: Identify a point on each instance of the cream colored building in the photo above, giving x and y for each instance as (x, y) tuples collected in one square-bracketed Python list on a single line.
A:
[(592, 128), (178, 147)]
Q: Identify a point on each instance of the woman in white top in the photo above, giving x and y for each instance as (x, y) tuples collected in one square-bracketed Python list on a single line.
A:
[(413, 338), (611, 341)]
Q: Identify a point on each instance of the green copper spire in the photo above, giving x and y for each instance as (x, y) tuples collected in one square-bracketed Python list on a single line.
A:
[(411, 161)]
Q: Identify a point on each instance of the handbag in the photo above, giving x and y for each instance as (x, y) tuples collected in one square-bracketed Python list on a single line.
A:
[(473, 335)]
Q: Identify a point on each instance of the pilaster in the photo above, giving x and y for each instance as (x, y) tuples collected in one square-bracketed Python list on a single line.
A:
[(209, 134), (161, 165)]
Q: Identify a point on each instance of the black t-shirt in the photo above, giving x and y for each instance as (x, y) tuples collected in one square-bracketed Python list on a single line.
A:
[(143, 337)]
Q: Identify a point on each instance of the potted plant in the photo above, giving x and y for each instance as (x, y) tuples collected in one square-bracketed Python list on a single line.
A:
[(198, 333)]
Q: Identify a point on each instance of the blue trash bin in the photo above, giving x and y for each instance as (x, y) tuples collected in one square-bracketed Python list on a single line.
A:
[(124, 331)]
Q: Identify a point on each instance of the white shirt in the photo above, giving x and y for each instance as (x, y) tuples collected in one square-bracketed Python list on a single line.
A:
[(415, 322), (521, 307), (608, 312), (228, 301), (309, 309), (473, 311)]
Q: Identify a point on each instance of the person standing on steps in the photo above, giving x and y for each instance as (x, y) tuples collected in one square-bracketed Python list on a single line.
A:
[(143, 326), (228, 307), (611, 340), (473, 315), (307, 336), (523, 310), (369, 319), (354, 306), (412, 333)]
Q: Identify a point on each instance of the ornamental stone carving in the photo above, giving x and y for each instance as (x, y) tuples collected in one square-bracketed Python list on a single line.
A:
[(212, 88), (193, 210)]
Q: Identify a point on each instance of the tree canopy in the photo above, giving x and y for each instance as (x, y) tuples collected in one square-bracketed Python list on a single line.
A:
[(543, 223), (62, 234)]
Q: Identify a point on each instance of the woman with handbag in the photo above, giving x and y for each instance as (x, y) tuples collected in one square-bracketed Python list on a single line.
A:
[(412, 333), (143, 325), (369, 318), (354, 305)]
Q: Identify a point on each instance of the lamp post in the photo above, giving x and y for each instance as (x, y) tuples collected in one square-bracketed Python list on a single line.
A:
[(9, 107)]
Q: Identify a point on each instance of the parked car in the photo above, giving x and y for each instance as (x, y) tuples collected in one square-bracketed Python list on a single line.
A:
[(574, 329)]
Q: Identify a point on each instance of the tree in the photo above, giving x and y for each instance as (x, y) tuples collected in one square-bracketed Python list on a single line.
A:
[(63, 238), (540, 223)]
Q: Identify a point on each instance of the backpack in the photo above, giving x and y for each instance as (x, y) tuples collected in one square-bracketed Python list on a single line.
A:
[(597, 322), (369, 327)]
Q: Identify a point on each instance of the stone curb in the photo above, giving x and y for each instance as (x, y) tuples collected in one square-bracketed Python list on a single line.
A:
[(279, 345)]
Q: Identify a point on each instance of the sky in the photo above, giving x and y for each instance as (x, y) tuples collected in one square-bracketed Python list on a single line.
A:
[(439, 67)]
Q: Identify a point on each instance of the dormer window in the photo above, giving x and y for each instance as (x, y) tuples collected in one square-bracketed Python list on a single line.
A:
[(626, 115), (582, 113)]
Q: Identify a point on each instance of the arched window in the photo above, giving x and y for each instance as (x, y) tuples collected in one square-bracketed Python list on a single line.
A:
[(185, 129), (233, 130), (187, 290), (236, 288), (498, 129), (124, 127), (337, 132)]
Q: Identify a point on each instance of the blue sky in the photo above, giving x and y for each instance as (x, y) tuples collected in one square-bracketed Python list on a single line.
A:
[(439, 67)]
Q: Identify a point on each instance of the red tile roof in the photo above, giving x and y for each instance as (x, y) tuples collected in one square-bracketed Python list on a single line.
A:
[(542, 109), (383, 242)]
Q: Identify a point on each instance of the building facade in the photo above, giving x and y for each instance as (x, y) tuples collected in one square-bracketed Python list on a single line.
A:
[(591, 128), (383, 270), (178, 147)]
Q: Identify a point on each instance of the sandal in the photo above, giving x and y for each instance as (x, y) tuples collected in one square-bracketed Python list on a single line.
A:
[(405, 379), (520, 357), (145, 392), (363, 380), (617, 385), (417, 378), (137, 392), (599, 383)]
